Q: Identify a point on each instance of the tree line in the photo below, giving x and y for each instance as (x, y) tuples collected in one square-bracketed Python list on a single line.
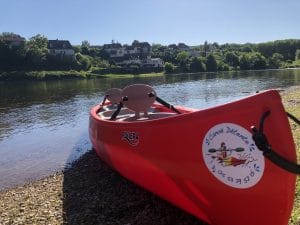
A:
[(33, 54), (226, 57)]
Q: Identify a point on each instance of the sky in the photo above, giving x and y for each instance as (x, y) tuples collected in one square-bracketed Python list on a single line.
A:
[(156, 21)]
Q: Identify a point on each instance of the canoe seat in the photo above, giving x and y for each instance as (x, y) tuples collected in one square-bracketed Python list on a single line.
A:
[(150, 116), (137, 101), (107, 112)]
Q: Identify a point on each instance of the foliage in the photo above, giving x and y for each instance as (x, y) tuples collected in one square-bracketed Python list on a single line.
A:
[(169, 67), (211, 63), (84, 62), (276, 61), (85, 47), (182, 59), (198, 65), (297, 54), (232, 59), (37, 51), (252, 61)]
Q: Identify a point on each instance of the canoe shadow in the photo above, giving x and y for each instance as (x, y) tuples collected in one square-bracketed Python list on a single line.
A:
[(95, 194)]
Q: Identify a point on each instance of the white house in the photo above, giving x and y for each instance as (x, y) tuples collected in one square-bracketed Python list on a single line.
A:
[(153, 62), (61, 48)]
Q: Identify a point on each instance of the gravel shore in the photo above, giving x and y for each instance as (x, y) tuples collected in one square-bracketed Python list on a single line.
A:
[(90, 192)]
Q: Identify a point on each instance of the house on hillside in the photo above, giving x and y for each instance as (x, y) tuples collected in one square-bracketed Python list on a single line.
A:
[(61, 48), (142, 63), (13, 40), (136, 55), (142, 48), (183, 47), (153, 62), (119, 53), (112, 49)]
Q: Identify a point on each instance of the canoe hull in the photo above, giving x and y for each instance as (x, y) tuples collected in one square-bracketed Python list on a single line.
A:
[(170, 158)]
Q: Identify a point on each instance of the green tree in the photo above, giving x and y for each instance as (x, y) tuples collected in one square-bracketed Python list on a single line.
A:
[(276, 61), (84, 62), (85, 47), (245, 63), (211, 63), (297, 54), (169, 67), (252, 60), (11, 57), (232, 59), (258, 61), (205, 48), (182, 58), (37, 51), (197, 65)]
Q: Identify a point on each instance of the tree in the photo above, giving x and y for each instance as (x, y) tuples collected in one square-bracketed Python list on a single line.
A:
[(169, 67), (211, 63), (85, 47), (245, 62), (276, 61), (197, 65), (37, 51), (182, 58), (84, 62), (253, 60), (205, 48), (232, 59), (258, 61), (297, 54)]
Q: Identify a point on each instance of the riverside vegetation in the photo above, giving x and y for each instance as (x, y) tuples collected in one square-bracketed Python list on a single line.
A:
[(89, 192), (32, 60)]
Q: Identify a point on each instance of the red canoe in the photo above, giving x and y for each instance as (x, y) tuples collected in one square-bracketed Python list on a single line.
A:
[(177, 155)]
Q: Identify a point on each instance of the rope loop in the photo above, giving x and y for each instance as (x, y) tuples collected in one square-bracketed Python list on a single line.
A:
[(262, 143)]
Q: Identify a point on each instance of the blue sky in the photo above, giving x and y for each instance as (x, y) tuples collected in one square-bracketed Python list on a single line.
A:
[(155, 21)]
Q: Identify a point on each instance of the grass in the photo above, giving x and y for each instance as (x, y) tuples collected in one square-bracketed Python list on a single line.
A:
[(291, 99)]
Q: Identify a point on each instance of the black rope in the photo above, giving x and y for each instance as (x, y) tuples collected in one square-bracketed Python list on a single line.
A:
[(262, 144), (164, 103), (116, 113), (293, 118), (104, 99)]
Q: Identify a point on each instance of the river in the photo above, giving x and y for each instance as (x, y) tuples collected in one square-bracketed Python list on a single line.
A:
[(44, 124)]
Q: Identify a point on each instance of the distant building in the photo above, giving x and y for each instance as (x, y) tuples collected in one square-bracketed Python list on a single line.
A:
[(119, 53), (180, 47), (153, 62), (142, 63), (12, 39), (183, 47), (61, 48)]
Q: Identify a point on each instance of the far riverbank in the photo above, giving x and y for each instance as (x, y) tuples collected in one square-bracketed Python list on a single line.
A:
[(74, 74), (69, 74)]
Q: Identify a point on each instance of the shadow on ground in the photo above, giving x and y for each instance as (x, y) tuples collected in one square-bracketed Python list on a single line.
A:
[(95, 194)]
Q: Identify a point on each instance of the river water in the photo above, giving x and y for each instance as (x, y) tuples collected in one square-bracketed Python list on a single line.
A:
[(44, 124)]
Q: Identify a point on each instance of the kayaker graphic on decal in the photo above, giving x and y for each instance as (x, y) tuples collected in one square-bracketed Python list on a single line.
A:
[(223, 155), (231, 155)]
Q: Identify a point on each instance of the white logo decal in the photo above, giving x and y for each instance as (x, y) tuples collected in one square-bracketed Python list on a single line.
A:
[(231, 155)]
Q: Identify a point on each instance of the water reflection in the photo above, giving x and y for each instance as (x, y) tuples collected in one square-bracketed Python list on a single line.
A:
[(43, 124)]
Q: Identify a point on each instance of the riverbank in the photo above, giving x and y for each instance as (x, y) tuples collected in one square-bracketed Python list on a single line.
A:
[(89, 192), (70, 74)]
